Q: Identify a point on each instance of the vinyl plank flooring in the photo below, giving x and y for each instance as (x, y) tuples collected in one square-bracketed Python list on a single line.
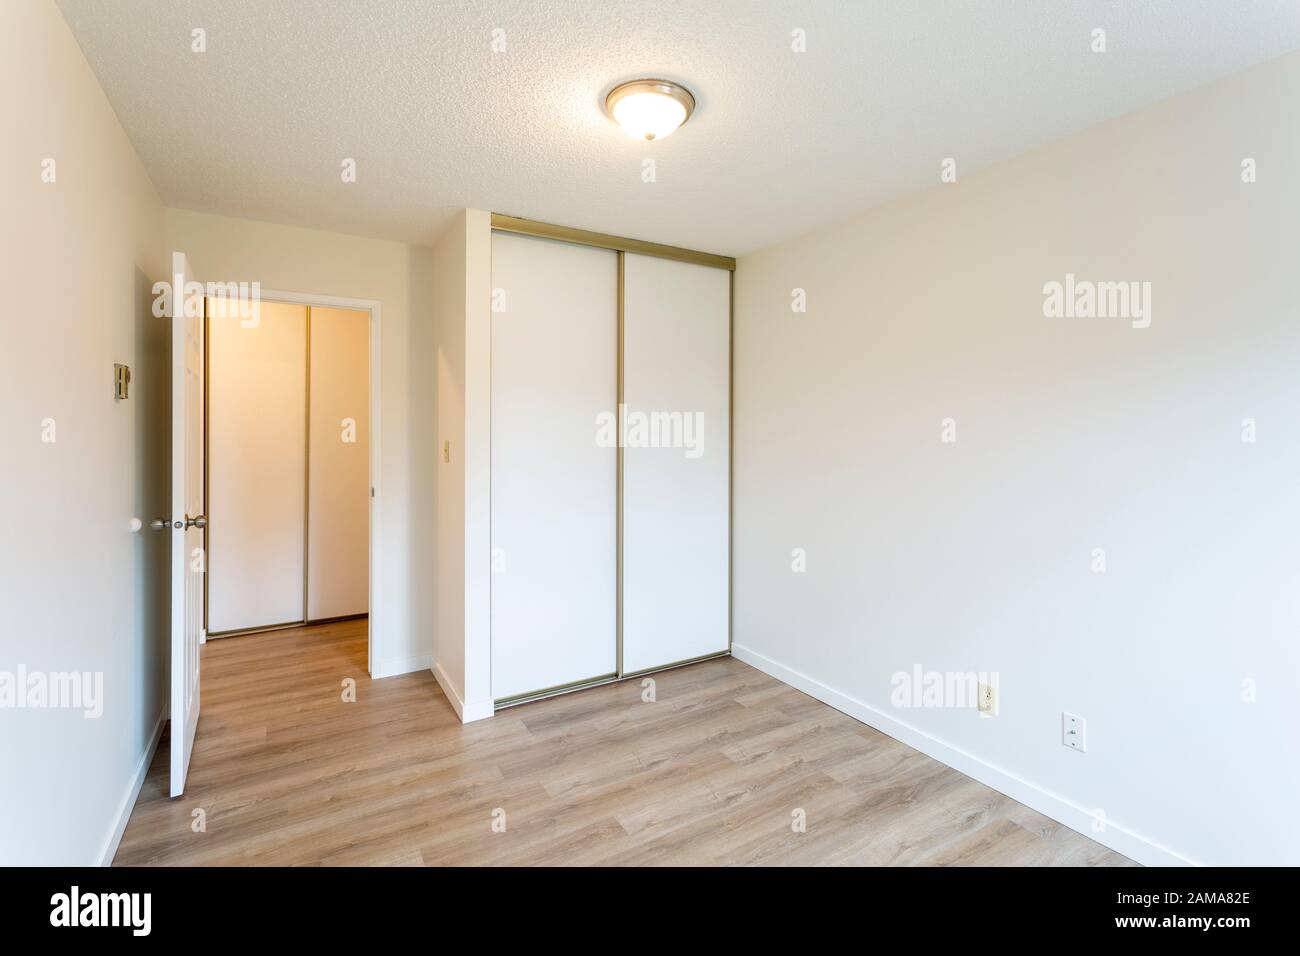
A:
[(711, 772)]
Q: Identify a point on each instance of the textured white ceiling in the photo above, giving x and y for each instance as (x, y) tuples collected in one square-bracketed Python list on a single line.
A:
[(781, 142)]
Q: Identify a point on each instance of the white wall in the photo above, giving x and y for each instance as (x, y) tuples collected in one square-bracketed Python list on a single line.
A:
[(291, 259), (1072, 434), (462, 279), (78, 590)]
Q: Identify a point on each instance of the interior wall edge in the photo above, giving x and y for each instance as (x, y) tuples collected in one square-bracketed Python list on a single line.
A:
[(461, 296), (466, 712), (477, 454)]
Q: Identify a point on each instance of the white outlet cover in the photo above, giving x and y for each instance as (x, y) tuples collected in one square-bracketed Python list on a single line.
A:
[(1074, 732)]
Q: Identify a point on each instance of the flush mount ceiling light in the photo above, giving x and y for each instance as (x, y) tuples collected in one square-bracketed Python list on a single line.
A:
[(650, 109)]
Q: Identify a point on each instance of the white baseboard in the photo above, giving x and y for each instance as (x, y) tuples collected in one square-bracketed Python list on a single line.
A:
[(403, 665), (1135, 847), (109, 849), (474, 710)]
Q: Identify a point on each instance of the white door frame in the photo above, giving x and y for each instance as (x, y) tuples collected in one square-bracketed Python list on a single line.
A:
[(376, 568)]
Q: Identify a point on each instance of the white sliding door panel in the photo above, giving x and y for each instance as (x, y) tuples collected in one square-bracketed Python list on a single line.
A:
[(676, 385), (338, 485), (554, 488), (256, 468)]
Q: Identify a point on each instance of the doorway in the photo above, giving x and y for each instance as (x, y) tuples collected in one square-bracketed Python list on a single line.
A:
[(290, 465)]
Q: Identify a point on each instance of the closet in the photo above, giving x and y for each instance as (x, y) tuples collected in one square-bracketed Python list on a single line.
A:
[(287, 467), (611, 440)]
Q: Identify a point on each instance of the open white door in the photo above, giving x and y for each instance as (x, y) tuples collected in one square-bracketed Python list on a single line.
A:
[(187, 519)]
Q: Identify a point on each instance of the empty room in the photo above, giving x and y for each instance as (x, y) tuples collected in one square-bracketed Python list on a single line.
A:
[(677, 434)]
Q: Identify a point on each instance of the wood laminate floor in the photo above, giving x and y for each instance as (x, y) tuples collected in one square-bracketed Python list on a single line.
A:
[(711, 772)]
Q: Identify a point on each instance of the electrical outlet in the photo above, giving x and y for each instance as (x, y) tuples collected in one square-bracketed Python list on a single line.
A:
[(988, 700), (1074, 732)]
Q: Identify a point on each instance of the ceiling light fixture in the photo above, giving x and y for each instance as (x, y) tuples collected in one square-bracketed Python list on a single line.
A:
[(650, 109)]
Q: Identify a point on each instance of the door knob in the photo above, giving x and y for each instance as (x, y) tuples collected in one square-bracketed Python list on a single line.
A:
[(198, 521), (160, 524)]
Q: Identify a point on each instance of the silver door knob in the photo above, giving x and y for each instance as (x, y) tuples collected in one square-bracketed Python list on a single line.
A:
[(160, 524), (198, 521)]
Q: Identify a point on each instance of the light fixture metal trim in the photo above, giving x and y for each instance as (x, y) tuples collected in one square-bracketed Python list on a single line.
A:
[(667, 88)]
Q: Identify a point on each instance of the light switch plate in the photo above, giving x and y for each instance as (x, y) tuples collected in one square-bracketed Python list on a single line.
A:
[(121, 381)]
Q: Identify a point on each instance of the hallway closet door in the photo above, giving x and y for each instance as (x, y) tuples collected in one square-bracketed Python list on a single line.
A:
[(338, 452), (256, 462), (554, 487), (676, 466)]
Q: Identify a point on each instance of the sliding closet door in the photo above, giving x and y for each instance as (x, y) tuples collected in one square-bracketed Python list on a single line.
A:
[(256, 463), (554, 485), (676, 386), (338, 481)]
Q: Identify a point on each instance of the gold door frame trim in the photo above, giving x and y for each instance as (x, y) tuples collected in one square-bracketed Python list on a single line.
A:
[(306, 471), (673, 665), (287, 625), (546, 230), (618, 493), (731, 454), (527, 697), (255, 629), (535, 695)]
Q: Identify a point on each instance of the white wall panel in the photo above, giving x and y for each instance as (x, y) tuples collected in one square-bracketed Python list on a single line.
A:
[(676, 383), (256, 467), (1071, 434), (338, 488), (554, 489), (80, 592)]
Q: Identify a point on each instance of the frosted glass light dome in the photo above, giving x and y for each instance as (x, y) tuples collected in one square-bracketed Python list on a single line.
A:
[(650, 109)]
